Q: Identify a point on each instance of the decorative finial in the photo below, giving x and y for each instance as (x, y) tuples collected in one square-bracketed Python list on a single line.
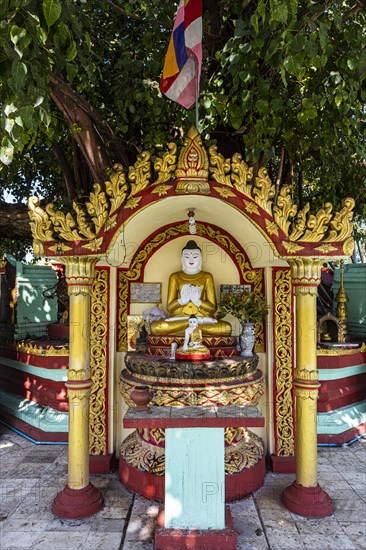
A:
[(342, 299)]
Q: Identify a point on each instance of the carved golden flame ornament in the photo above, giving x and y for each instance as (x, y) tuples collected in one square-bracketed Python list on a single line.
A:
[(191, 174)]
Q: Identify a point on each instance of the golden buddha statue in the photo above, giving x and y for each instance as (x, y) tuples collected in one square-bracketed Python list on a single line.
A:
[(191, 292)]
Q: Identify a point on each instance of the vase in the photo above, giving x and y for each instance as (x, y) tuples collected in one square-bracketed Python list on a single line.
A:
[(141, 396), (247, 339)]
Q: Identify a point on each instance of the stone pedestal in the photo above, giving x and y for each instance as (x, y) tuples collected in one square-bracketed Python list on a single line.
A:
[(195, 515), (219, 382)]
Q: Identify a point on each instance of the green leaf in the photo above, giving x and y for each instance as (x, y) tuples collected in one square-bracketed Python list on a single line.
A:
[(235, 116), (16, 33), (254, 22), (352, 64), (52, 11), (71, 70), (6, 152), (27, 114), (9, 108), (307, 103), (293, 64), (44, 116), (71, 51), (279, 11), (19, 72)]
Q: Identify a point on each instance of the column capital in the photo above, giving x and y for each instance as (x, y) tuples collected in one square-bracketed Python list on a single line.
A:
[(305, 274), (80, 273)]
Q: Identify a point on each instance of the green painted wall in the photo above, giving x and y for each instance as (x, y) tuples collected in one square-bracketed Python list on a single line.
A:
[(33, 311), (355, 285)]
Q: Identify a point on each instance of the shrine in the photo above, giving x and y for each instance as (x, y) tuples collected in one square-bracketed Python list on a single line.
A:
[(148, 260)]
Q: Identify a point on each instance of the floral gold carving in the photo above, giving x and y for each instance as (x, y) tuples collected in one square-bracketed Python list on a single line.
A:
[(116, 187), (97, 207), (139, 174), (241, 175), (33, 349), (284, 209), (251, 208), (245, 451), (291, 247), (40, 223), (94, 245), (80, 273), (60, 248), (166, 165), (192, 168), (263, 190), (283, 355), (219, 167), (272, 227), (326, 248), (161, 190), (341, 224), (133, 202), (224, 192), (98, 363), (348, 246)]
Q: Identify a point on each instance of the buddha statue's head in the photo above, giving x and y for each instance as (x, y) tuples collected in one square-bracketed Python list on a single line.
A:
[(191, 258), (193, 321)]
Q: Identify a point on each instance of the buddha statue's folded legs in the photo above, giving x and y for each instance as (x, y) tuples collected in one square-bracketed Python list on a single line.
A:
[(169, 328)]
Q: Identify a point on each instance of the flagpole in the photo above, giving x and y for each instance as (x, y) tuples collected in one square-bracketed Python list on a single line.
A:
[(197, 92)]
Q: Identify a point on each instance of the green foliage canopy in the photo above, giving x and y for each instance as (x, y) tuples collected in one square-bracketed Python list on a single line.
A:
[(283, 83)]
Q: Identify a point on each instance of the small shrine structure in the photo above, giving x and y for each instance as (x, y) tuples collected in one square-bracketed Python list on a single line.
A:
[(119, 249)]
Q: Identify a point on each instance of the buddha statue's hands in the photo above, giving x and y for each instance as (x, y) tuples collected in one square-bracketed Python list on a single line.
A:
[(195, 292), (185, 295)]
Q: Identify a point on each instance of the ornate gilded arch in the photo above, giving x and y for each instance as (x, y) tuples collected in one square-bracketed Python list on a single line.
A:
[(247, 274), (91, 228)]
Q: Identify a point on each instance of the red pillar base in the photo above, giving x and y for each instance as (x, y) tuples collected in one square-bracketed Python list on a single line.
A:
[(195, 539), (78, 503), (307, 501)]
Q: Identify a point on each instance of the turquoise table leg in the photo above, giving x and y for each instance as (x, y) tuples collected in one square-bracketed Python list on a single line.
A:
[(194, 478)]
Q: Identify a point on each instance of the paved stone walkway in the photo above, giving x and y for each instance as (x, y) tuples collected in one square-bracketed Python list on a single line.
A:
[(31, 476)]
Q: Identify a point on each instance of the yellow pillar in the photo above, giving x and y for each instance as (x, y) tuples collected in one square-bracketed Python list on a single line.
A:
[(305, 496), (79, 498)]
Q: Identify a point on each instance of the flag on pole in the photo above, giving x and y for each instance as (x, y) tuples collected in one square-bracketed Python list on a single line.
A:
[(182, 67)]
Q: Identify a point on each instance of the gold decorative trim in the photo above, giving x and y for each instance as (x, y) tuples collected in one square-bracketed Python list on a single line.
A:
[(292, 247), (307, 375), (245, 452), (79, 375), (99, 363), (339, 352), (79, 273), (254, 277), (166, 166), (283, 348), (33, 349), (325, 248), (223, 192), (251, 208), (60, 248), (272, 227), (94, 245), (161, 190), (193, 169)]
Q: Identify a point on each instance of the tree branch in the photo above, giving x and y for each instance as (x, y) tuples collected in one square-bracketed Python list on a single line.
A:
[(66, 170), (84, 131)]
